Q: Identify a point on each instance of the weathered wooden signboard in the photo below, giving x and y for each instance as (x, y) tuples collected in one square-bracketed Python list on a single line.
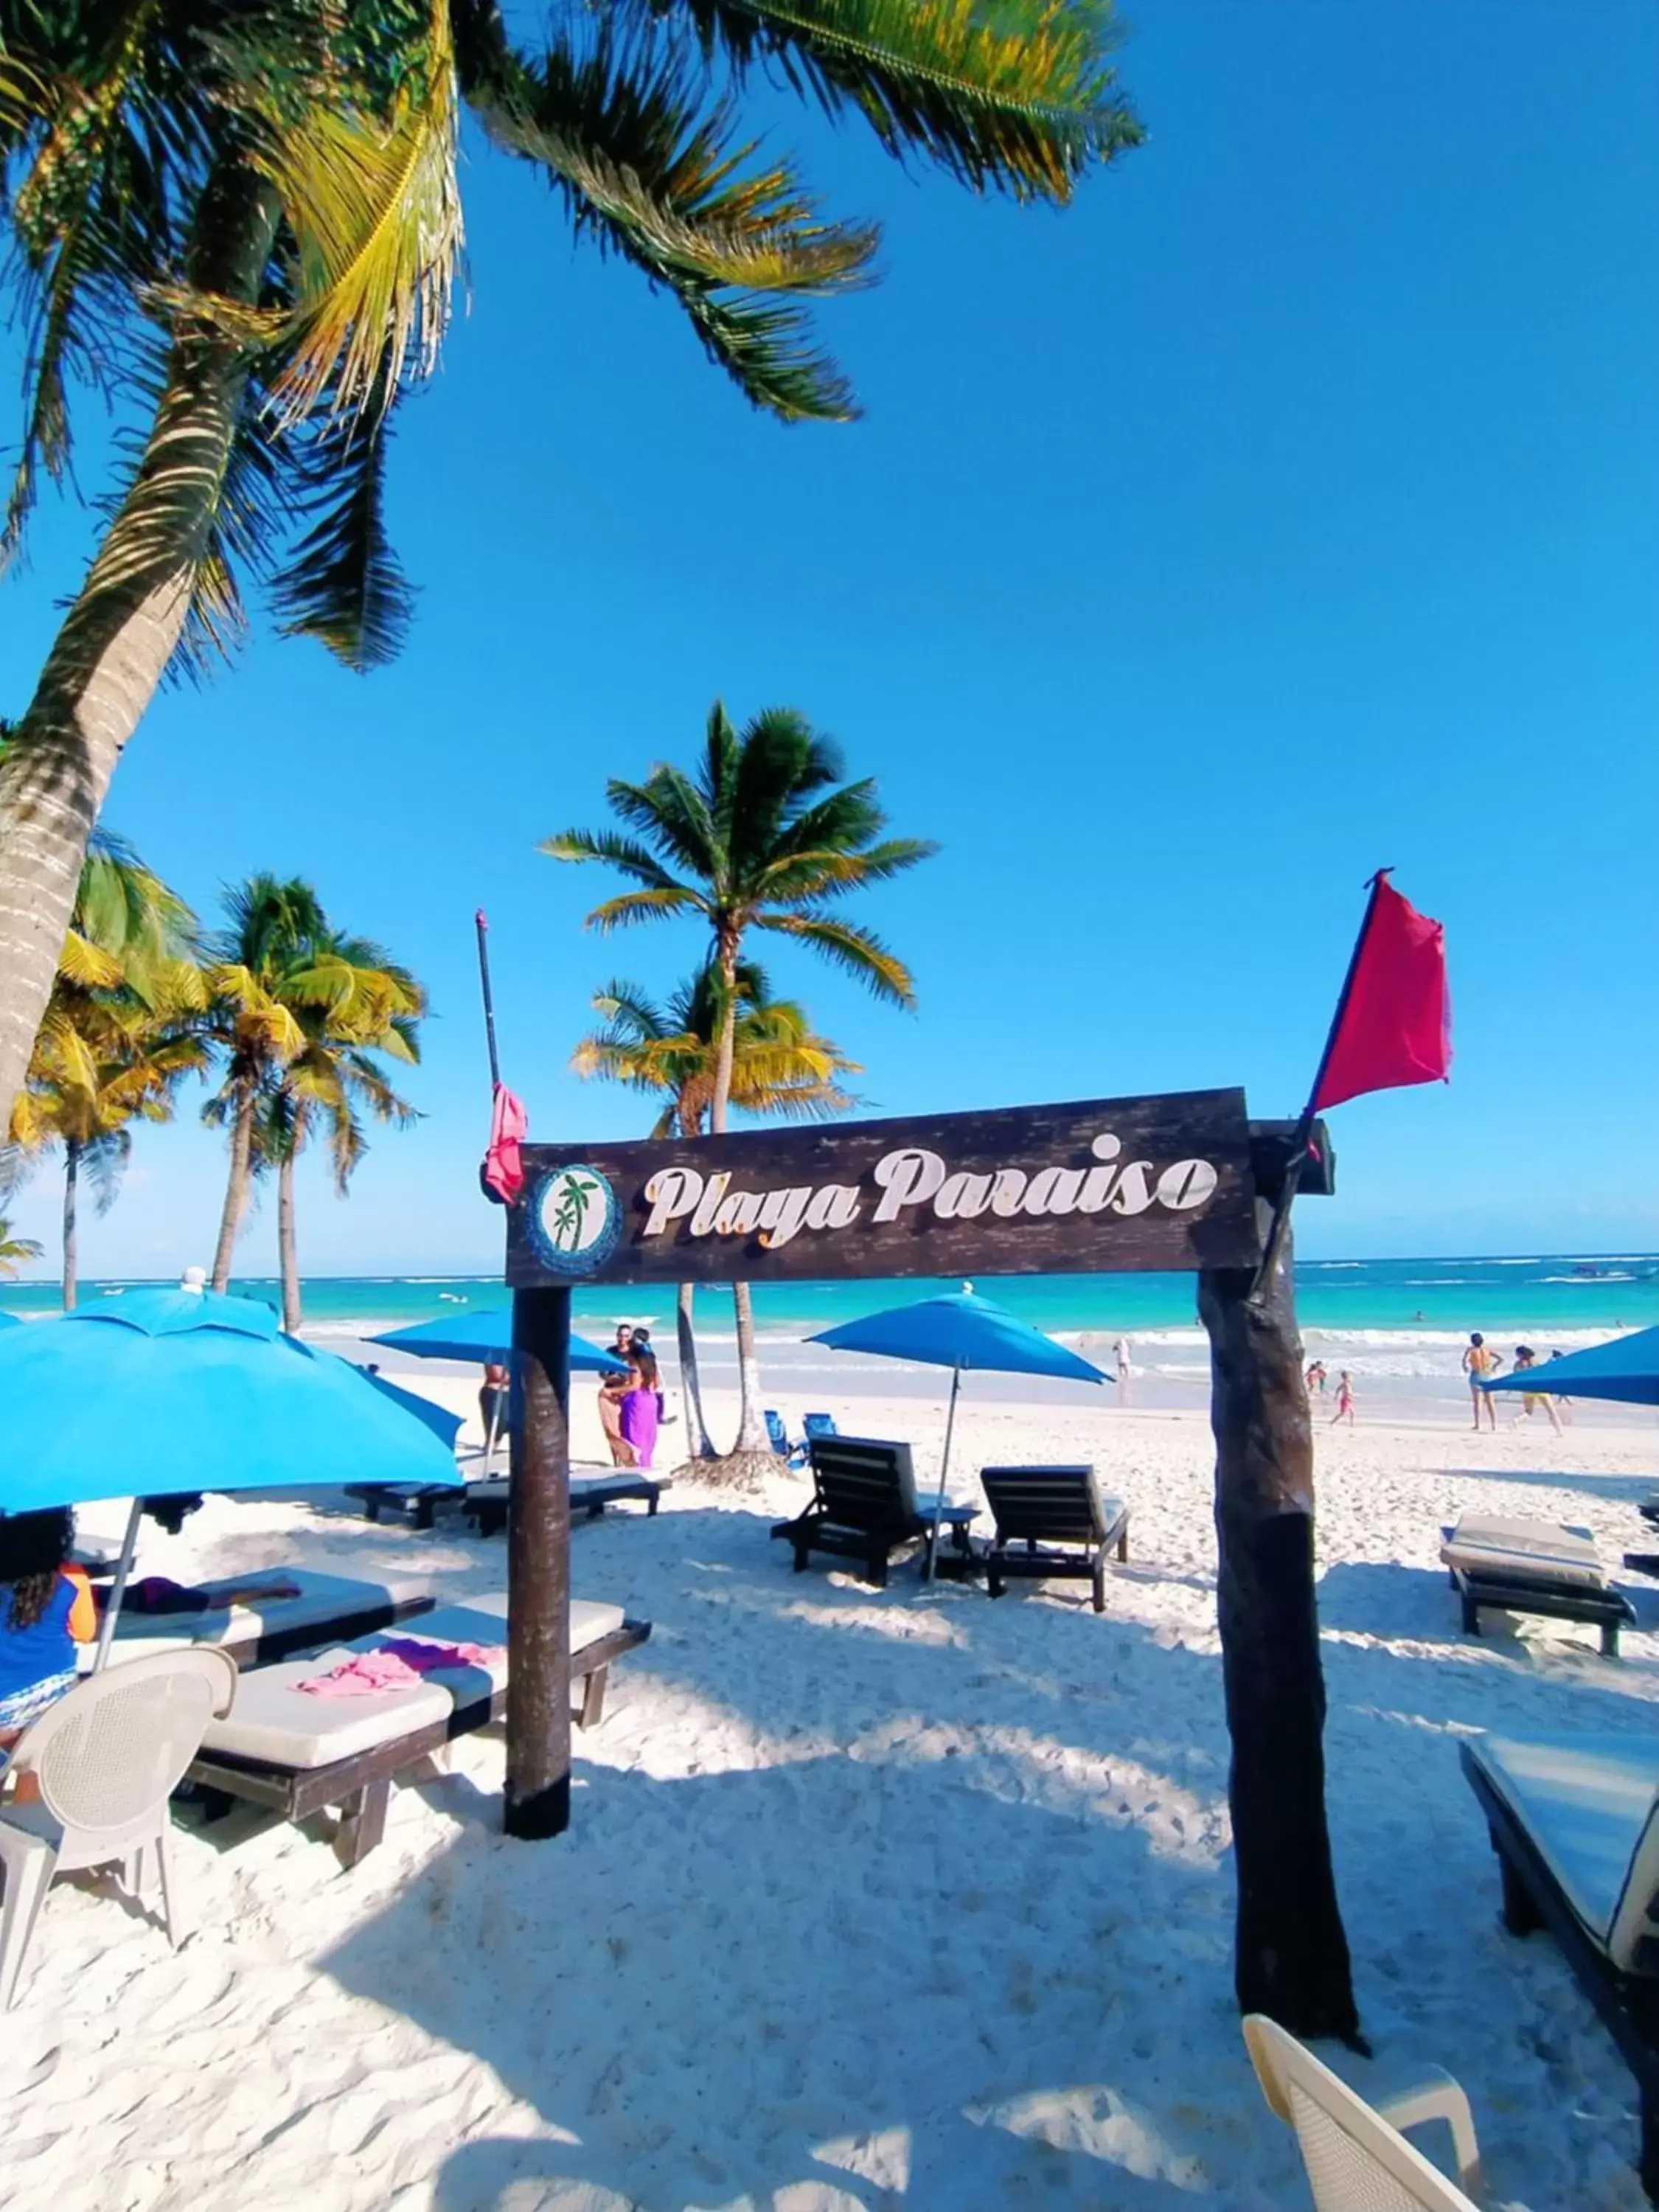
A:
[(1101, 1186)]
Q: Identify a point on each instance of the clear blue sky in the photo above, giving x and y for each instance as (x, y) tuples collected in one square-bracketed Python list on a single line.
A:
[(1288, 506)]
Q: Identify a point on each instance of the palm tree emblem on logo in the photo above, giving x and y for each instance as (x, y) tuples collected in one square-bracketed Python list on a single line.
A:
[(575, 1217)]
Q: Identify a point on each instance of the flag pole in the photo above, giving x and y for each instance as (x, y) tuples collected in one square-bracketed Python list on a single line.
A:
[(1299, 1142), (483, 927)]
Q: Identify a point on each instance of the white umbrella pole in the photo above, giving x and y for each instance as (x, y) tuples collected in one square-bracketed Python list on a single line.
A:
[(118, 1588), (944, 1471)]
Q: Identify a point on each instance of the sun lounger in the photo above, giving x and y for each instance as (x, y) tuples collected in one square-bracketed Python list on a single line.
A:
[(1533, 1566), (813, 1425), (1575, 1822), (778, 1434), (864, 1507), (417, 1503), (329, 1609), (1052, 1522), (284, 1747), (485, 1502)]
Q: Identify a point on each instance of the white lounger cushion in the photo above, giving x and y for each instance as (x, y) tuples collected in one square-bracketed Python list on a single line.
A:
[(1524, 1551), (274, 1720), (323, 1601), (1591, 1805)]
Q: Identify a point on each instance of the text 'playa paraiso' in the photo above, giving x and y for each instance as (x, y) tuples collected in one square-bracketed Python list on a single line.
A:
[(689, 1204)]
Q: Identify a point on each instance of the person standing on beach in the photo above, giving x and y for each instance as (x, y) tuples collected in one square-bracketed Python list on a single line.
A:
[(1344, 1398), (1120, 1356), (1314, 1378), (1526, 1358), (492, 1403), (613, 1387), (1479, 1361), (639, 1405)]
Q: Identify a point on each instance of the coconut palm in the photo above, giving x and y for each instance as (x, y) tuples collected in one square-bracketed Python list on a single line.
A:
[(14, 1250), (334, 1081), (285, 985), (766, 836), (243, 223), (780, 1067), (118, 1033)]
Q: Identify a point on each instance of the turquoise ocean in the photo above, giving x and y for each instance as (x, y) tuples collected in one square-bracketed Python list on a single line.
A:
[(1399, 1316)]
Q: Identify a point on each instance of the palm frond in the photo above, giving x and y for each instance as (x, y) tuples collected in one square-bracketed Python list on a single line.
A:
[(644, 173), (374, 207), (857, 951), (343, 584), (1019, 96), (626, 854), (644, 906)]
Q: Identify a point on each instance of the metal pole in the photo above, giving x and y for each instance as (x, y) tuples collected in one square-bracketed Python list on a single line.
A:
[(483, 927), (118, 1588), (538, 1568), (944, 1471)]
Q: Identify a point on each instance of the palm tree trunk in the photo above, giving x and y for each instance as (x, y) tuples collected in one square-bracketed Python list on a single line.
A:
[(71, 1177), (287, 1255), (122, 631), (241, 1157), (751, 1415), (698, 1442)]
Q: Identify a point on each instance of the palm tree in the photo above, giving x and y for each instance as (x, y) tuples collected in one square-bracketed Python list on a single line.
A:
[(14, 1250), (779, 1067), (334, 1079), (96, 1072), (118, 1033), (243, 223), (298, 1012), (765, 836)]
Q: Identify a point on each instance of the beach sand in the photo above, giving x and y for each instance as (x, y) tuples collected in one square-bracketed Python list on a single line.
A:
[(870, 1897)]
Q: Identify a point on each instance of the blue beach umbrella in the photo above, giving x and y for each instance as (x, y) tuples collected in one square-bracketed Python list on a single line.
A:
[(961, 1331), (1627, 1370), (487, 1335), (9, 1320), (182, 1390)]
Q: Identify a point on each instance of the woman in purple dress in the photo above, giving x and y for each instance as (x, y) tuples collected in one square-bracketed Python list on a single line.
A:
[(639, 1405)]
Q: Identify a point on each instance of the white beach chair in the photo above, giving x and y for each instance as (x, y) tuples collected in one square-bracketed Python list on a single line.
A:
[(107, 1757), (1357, 2158)]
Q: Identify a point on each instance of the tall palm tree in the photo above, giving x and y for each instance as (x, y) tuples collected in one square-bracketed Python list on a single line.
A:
[(95, 1072), (765, 836), (14, 1250), (334, 1080), (779, 1067), (118, 1033), (286, 985), (244, 222)]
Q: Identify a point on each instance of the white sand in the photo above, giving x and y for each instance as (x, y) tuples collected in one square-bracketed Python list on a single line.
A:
[(870, 1897)]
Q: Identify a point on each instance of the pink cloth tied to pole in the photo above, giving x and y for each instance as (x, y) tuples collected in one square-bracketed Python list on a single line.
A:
[(398, 1665), (503, 1168)]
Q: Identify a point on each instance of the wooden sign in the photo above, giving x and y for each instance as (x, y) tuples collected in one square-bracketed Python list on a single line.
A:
[(1110, 1184)]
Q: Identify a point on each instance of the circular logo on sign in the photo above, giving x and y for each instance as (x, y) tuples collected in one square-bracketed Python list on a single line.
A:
[(575, 1220)]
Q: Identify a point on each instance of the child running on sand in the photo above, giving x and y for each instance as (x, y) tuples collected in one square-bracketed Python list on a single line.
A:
[(45, 1610), (1344, 1398)]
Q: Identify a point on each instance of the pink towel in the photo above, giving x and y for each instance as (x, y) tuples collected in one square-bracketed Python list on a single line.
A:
[(398, 1665)]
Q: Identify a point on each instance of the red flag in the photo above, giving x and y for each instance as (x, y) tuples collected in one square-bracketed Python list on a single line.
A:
[(1394, 1025), (504, 1170)]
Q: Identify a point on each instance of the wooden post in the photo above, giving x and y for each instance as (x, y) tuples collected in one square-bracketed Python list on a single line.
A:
[(538, 1568), (1291, 1953)]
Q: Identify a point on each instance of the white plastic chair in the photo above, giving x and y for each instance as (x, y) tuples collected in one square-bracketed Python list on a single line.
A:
[(105, 1757), (1355, 2157)]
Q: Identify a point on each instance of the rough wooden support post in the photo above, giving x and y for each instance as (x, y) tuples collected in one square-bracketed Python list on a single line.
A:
[(538, 1568), (1291, 1958)]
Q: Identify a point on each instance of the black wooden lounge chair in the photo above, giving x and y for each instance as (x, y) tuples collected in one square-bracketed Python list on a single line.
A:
[(485, 1504), (417, 1503), (1052, 1522), (1541, 1567), (864, 1507), (298, 1753), (257, 1631), (1575, 1822)]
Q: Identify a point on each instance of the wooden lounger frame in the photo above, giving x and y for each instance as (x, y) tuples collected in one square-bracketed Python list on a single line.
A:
[(1043, 1558), (362, 1785), (1628, 2003), (282, 1639), (882, 1528), (1608, 1609), (589, 1496)]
